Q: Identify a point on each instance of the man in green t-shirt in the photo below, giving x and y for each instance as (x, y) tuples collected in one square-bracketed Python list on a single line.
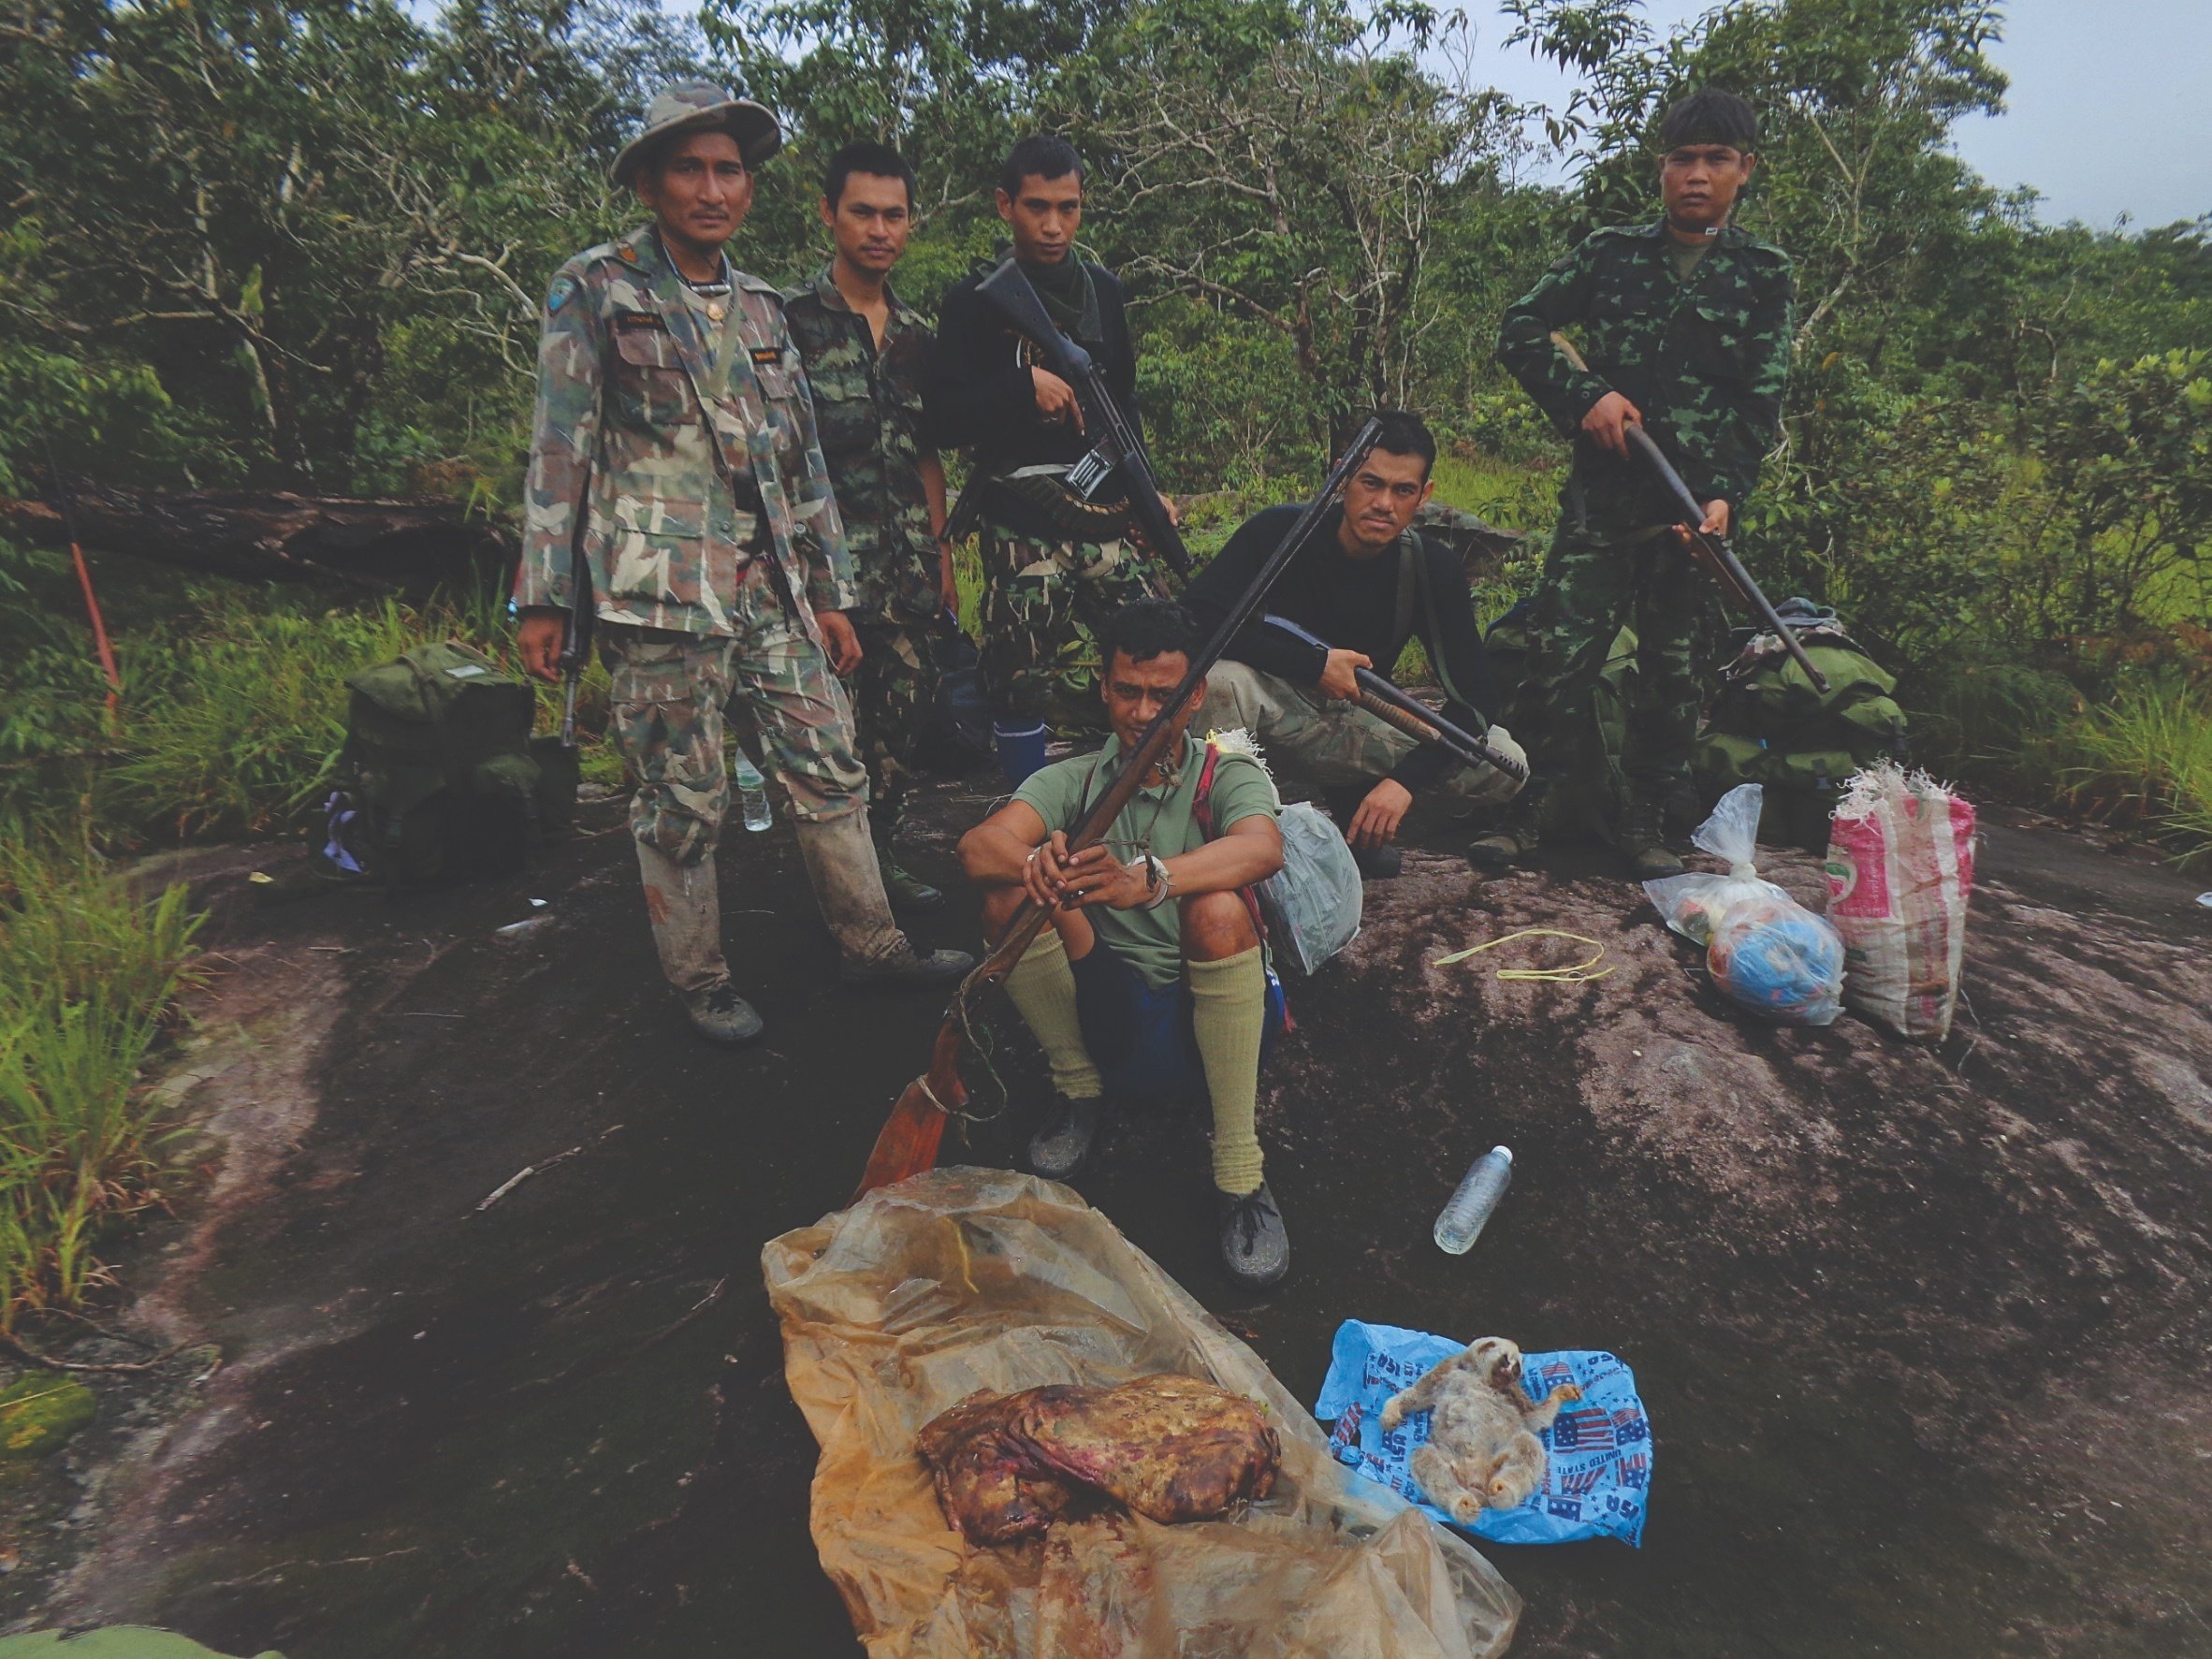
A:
[(1152, 982)]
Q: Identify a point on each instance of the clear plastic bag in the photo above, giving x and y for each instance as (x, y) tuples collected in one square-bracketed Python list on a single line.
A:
[(1768, 952), (1313, 902), (963, 1279)]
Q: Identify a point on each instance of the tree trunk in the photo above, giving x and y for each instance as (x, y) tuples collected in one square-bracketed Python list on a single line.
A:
[(407, 545)]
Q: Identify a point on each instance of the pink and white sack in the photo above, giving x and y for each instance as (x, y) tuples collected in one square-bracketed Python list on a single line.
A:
[(1900, 869)]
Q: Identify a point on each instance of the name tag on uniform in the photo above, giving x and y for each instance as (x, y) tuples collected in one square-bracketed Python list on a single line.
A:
[(639, 321), (767, 357)]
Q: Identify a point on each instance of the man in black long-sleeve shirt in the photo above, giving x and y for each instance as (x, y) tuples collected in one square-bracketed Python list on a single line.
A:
[(1369, 583), (1046, 565)]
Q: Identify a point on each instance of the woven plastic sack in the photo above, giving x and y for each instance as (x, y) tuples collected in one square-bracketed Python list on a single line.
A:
[(1768, 952), (963, 1279), (1313, 902), (1901, 870)]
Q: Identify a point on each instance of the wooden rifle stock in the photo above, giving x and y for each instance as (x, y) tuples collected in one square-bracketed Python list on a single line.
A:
[(1711, 551), (908, 1144)]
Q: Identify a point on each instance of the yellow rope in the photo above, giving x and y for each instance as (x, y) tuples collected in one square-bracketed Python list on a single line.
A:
[(1577, 974)]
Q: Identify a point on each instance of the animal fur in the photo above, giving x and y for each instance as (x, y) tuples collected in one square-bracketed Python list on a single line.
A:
[(1482, 1451)]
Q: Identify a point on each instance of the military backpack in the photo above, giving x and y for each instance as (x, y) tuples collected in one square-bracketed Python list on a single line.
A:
[(439, 777), (1770, 727)]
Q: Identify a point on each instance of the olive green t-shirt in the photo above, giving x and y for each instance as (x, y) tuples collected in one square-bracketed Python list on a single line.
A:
[(1161, 820)]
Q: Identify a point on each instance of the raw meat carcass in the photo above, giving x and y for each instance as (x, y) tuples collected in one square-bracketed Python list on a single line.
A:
[(1170, 1447)]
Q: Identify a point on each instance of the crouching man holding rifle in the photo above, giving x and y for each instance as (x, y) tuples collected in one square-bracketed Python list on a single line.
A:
[(1366, 585)]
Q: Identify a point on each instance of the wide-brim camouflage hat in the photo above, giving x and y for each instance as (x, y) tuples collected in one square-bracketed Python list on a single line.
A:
[(700, 106)]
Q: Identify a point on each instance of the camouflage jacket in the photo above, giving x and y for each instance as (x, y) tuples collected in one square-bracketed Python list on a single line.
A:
[(867, 404), (1705, 360), (663, 533)]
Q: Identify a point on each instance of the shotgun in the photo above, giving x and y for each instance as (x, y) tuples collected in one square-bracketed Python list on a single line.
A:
[(1119, 448), (908, 1143), (1711, 551), (1393, 708)]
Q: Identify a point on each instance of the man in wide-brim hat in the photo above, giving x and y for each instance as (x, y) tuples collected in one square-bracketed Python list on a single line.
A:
[(675, 467)]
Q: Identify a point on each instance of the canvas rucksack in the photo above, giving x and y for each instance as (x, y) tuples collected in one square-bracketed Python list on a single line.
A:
[(439, 775), (1770, 727)]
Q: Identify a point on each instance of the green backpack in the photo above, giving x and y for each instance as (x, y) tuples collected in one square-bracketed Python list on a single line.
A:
[(1587, 795), (1768, 726), (439, 775)]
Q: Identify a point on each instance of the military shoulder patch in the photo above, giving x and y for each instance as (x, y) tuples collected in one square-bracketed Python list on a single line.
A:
[(563, 290)]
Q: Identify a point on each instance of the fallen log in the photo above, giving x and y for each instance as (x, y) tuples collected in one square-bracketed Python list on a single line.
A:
[(407, 544)]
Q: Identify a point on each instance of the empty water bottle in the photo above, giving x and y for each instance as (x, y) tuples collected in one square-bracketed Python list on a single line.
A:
[(753, 789), (1462, 1220)]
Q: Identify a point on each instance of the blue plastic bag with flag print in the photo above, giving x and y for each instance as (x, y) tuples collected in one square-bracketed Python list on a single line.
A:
[(1599, 1451)]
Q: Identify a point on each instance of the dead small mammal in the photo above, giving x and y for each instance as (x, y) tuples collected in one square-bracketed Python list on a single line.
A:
[(1482, 1451)]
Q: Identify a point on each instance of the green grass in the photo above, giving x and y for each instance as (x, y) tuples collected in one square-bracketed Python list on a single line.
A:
[(2145, 760), (89, 971)]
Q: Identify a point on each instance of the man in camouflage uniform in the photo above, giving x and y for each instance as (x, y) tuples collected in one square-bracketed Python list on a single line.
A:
[(673, 447), (1047, 563), (1685, 324), (864, 348)]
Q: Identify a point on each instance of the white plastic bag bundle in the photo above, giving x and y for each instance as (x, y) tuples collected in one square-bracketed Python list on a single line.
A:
[(1313, 902), (1768, 952), (1900, 869)]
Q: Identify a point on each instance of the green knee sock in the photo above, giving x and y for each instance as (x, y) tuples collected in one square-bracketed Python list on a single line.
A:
[(1042, 986), (1229, 1011)]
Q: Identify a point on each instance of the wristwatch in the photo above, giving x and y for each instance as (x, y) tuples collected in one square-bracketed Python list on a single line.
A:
[(1163, 883)]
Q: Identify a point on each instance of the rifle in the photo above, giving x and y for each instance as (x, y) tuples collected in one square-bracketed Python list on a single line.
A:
[(1119, 449), (1711, 551), (1423, 724), (908, 1144)]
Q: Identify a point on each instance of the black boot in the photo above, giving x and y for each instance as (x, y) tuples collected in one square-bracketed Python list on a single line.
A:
[(1643, 840), (1056, 1151), (1517, 836), (1255, 1244), (718, 1013)]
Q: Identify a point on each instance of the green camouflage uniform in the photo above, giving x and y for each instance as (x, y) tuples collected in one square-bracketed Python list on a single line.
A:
[(1034, 591), (867, 404), (1706, 358), (698, 598)]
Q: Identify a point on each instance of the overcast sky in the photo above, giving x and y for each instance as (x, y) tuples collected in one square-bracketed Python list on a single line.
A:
[(2110, 111)]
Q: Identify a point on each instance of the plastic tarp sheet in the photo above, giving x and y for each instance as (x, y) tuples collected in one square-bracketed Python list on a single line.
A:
[(964, 1279)]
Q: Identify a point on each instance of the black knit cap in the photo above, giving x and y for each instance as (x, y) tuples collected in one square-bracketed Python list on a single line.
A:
[(1709, 116)]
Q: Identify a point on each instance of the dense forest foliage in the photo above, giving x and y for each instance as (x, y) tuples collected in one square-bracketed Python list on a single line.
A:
[(302, 243)]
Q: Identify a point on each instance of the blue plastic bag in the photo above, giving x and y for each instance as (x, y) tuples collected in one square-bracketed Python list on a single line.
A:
[(1599, 1449)]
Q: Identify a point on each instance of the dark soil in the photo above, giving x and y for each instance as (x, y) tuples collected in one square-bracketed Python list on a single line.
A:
[(1923, 1332)]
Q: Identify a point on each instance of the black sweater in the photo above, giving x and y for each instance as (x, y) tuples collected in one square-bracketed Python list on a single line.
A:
[(977, 393), (1353, 605)]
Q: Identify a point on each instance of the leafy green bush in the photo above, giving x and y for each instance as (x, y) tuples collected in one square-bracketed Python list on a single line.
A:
[(2146, 760)]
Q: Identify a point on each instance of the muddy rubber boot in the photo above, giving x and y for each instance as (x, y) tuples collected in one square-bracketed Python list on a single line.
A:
[(1381, 863), (1516, 837), (1643, 841), (906, 891), (683, 904), (1057, 1150), (841, 860), (720, 1015), (1255, 1244)]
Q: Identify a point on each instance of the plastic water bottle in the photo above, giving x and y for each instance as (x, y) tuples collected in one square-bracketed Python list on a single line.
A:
[(752, 789), (1462, 1220)]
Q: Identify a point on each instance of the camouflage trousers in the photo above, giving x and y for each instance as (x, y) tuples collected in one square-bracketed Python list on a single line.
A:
[(1033, 593), (666, 719), (1597, 580), (1332, 743), (894, 700)]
